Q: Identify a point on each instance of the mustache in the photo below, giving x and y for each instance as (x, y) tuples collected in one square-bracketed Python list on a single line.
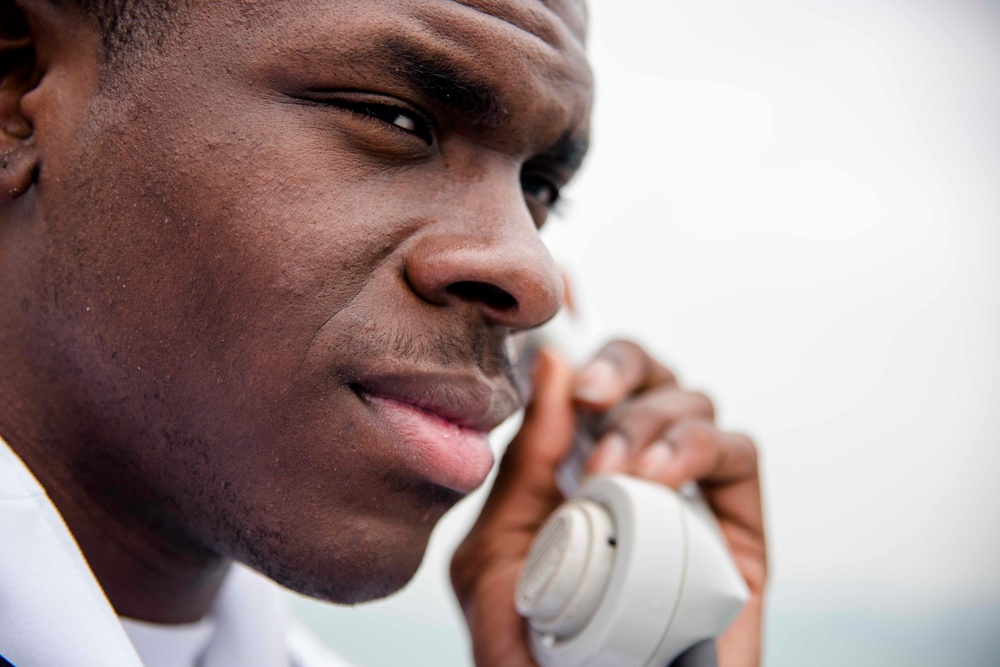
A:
[(462, 345)]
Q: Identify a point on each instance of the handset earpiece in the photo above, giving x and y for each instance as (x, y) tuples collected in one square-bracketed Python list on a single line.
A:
[(627, 573)]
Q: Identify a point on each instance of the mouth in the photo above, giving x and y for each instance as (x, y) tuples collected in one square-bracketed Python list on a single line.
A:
[(440, 421)]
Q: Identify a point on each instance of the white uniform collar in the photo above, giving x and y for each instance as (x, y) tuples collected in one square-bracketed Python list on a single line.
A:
[(52, 610)]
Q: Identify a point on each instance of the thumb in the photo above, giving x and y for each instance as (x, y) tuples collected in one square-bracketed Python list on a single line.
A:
[(525, 483)]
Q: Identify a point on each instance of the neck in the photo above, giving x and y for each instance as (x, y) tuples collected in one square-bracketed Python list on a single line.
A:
[(144, 578), (146, 572)]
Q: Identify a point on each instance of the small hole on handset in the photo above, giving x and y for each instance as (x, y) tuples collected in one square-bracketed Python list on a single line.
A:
[(612, 542)]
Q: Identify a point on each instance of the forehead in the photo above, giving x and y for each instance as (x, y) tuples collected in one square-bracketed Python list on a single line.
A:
[(545, 19), (505, 56), (544, 30)]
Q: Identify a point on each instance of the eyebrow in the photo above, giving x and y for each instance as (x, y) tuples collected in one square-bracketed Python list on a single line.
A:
[(452, 87), (445, 83)]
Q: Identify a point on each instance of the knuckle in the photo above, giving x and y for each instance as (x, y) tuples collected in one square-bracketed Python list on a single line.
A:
[(697, 434), (628, 429), (647, 411), (461, 570), (644, 418), (469, 560), (747, 451), (702, 404), (628, 354), (621, 350), (626, 345)]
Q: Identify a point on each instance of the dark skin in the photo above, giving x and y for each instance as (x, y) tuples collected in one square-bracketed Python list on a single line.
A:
[(216, 262)]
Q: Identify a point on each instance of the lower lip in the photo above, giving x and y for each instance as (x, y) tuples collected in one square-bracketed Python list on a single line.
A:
[(447, 454)]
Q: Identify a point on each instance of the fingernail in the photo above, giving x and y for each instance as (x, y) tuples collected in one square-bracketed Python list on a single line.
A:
[(596, 382), (610, 454), (654, 460)]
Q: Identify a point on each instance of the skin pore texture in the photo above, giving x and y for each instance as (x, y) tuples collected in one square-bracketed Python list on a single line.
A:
[(244, 282), (259, 270)]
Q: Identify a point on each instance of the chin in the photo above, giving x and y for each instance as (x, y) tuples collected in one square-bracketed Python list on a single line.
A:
[(357, 564), (346, 587)]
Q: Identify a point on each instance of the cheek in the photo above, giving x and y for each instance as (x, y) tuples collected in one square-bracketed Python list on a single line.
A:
[(217, 257), (186, 281)]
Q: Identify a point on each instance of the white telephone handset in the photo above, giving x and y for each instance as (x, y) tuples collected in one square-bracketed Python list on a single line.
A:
[(627, 573)]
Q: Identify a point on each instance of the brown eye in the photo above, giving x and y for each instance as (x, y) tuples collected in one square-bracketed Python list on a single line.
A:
[(540, 189), (405, 120), (401, 118)]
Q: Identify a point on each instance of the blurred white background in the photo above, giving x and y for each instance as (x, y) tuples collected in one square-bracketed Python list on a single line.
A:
[(795, 203)]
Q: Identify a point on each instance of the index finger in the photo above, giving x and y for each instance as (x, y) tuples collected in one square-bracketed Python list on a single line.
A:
[(619, 370)]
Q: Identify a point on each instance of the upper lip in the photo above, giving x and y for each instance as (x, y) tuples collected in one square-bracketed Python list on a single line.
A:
[(467, 399)]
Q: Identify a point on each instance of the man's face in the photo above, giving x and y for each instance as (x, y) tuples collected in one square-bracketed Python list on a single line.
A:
[(276, 270)]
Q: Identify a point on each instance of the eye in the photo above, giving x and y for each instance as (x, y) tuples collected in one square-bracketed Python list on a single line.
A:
[(540, 189), (385, 110), (406, 120)]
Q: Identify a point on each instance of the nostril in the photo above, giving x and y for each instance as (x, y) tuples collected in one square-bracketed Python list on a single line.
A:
[(489, 295)]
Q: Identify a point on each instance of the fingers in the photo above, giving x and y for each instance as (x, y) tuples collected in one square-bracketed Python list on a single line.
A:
[(697, 450), (644, 421), (618, 371), (725, 465), (670, 439), (549, 419)]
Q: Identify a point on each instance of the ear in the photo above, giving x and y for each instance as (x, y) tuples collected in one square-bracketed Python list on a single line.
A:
[(18, 158)]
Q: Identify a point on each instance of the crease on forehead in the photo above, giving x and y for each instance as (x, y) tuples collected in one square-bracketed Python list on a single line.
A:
[(538, 32), (548, 20), (451, 56), (534, 45), (451, 50)]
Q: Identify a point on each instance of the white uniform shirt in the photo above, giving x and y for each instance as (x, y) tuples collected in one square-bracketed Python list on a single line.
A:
[(53, 612)]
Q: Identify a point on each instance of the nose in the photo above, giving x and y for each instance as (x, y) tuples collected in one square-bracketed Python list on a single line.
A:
[(485, 253)]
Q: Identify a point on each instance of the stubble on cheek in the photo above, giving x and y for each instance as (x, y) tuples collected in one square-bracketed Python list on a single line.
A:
[(196, 294)]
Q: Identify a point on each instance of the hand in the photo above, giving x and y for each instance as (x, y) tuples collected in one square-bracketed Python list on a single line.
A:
[(655, 430), (661, 432)]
